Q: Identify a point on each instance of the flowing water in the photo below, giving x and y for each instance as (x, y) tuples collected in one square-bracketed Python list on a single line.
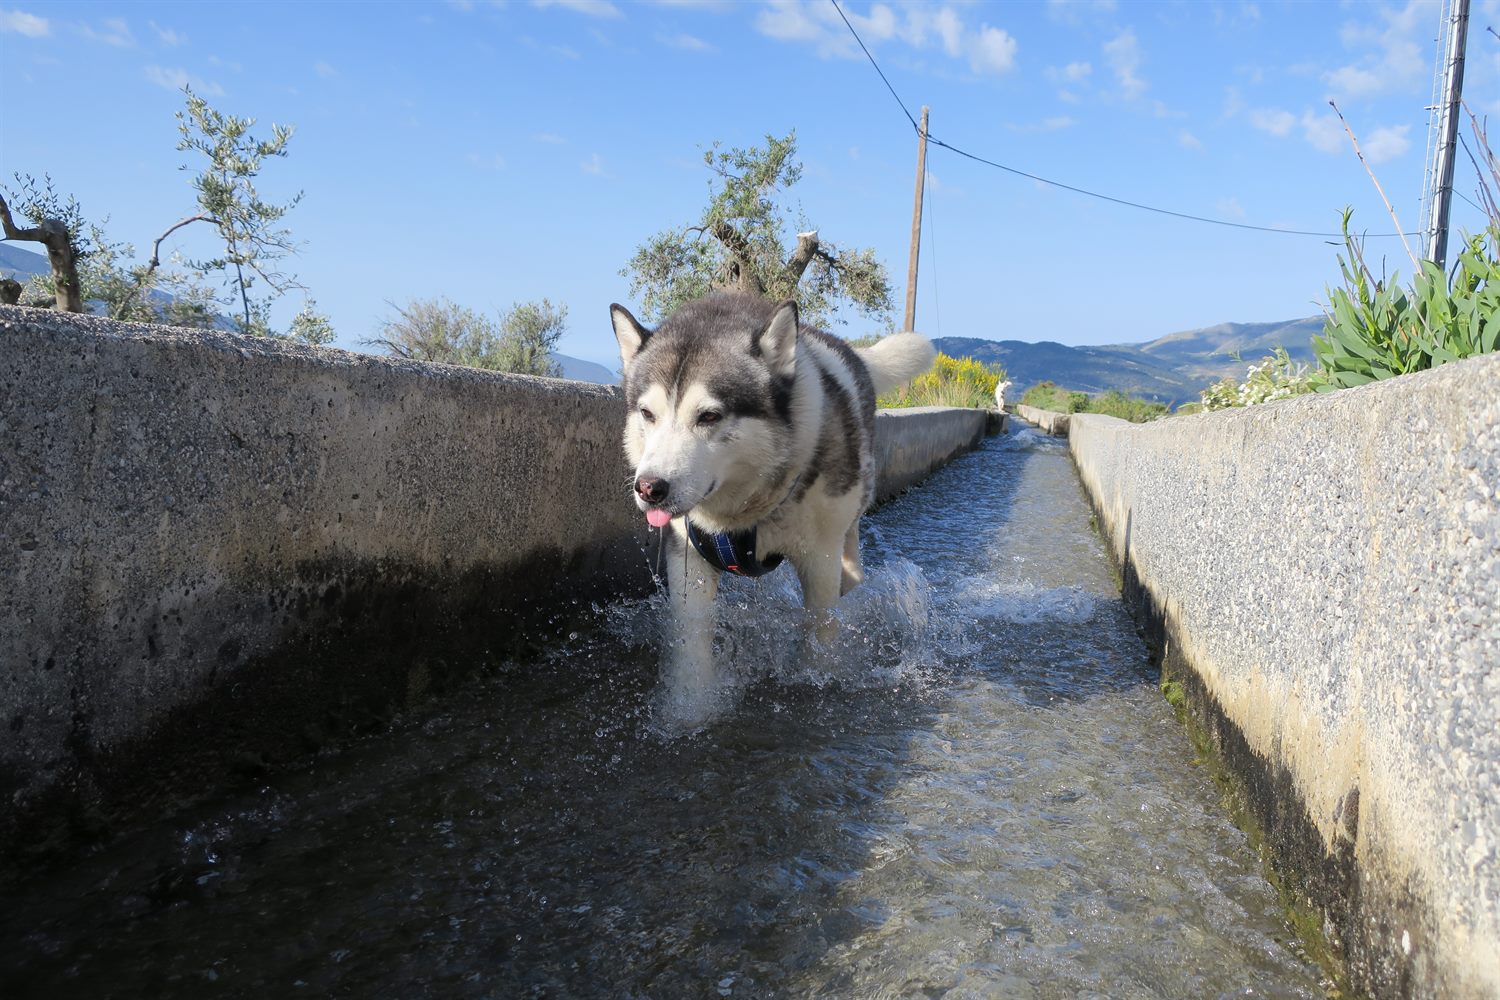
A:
[(975, 792)]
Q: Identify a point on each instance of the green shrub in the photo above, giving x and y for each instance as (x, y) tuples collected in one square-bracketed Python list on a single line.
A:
[(950, 382), (1117, 404), (1048, 396), (1377, 329), (1275, 376)]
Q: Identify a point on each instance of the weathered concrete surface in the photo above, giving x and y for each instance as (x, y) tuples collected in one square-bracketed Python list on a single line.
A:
[(910, 444), (221, 549), (227, 523), (1323, 574), (1048, 421)]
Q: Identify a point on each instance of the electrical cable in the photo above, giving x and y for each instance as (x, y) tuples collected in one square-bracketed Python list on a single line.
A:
[(1078, 190)]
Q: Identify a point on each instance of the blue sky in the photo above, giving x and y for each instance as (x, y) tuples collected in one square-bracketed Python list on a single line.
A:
[(498, 152)]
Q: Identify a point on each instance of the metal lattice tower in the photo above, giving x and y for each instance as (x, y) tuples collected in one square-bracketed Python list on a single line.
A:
[(1434, 114)]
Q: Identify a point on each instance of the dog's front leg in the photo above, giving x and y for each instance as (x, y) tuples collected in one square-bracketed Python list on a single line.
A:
[(821, 575), (689, 676)]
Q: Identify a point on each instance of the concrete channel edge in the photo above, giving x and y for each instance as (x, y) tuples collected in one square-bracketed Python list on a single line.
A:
[(1321, 578)]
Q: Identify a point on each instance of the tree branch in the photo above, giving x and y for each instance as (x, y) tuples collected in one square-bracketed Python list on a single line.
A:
[(54, 236), (744, 259), (156, 247), (1358, 152), (807, 249), (155, 262)]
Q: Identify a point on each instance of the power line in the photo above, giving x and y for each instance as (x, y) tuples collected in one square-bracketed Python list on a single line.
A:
[(866, 51), (929, 215), (1069, 187)]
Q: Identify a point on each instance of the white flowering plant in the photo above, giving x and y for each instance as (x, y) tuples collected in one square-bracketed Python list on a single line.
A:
[(1275, 376)]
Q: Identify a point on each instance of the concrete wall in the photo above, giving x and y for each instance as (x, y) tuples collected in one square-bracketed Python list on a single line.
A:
[(911, 443), (1048, 421), (1323, 575), (219, 548)]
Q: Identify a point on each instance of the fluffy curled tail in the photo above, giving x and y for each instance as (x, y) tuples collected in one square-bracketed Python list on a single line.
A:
[(897, 359)]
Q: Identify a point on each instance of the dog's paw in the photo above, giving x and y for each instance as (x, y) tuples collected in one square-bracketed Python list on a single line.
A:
[(690, 697)]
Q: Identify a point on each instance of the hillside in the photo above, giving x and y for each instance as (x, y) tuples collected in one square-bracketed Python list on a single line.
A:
[(1171, 369), (20, 264)]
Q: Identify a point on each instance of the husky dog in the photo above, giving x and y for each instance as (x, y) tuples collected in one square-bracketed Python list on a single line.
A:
[(752, 439)]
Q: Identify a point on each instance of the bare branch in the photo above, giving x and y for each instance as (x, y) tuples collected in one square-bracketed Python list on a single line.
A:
[(145, 273), (156, 247), (32, 235), (1388, 208)]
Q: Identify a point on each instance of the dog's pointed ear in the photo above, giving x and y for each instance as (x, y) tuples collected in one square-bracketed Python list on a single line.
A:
[(777, 343), (631, 335)]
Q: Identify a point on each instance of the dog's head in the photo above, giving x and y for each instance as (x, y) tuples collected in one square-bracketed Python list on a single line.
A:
[(708, 395)]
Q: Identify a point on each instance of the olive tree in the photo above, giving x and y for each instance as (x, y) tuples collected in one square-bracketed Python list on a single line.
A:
[(746, 239), (521, 340)]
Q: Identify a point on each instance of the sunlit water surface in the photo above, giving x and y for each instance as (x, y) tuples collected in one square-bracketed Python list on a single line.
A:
[(977, 792)]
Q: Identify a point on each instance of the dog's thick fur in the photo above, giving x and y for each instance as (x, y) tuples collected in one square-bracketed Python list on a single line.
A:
[(739, 417)]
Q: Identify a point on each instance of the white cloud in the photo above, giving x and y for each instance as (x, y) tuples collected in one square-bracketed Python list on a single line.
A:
[(23, 23), (487, 161), (937, 186), (1391, 51), (992, 51), (1053, 124), (550, 138), (1123, 53), (1188, 140), (1386, 143), (1234, 102), (1072, 72), (1073, 11), (114, 32), (167, 36), (324, 70), (1352, 81), (1324, 132), (592, 8), (1230, 208), (593, 165), (176, 79), (987, 49), (686, 42), (1273, 120)]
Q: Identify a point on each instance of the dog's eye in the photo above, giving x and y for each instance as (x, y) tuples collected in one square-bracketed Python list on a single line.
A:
[(709, 417), (648, 416)]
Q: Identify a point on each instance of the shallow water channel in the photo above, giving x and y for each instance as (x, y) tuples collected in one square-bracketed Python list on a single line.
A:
[(978, 792)]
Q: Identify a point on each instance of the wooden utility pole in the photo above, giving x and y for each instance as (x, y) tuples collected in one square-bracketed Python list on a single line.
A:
[(1453, 88), (916, 226)]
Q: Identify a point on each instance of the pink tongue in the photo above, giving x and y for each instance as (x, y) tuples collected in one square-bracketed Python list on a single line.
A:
[(658, 518)]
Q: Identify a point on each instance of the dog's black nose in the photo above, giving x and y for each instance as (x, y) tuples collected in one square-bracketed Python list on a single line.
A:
[(652, 490)]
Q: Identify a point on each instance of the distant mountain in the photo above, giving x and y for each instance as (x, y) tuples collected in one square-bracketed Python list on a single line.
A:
[(21, 264), (1171, 369), (1207, 353), (585, 371)]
